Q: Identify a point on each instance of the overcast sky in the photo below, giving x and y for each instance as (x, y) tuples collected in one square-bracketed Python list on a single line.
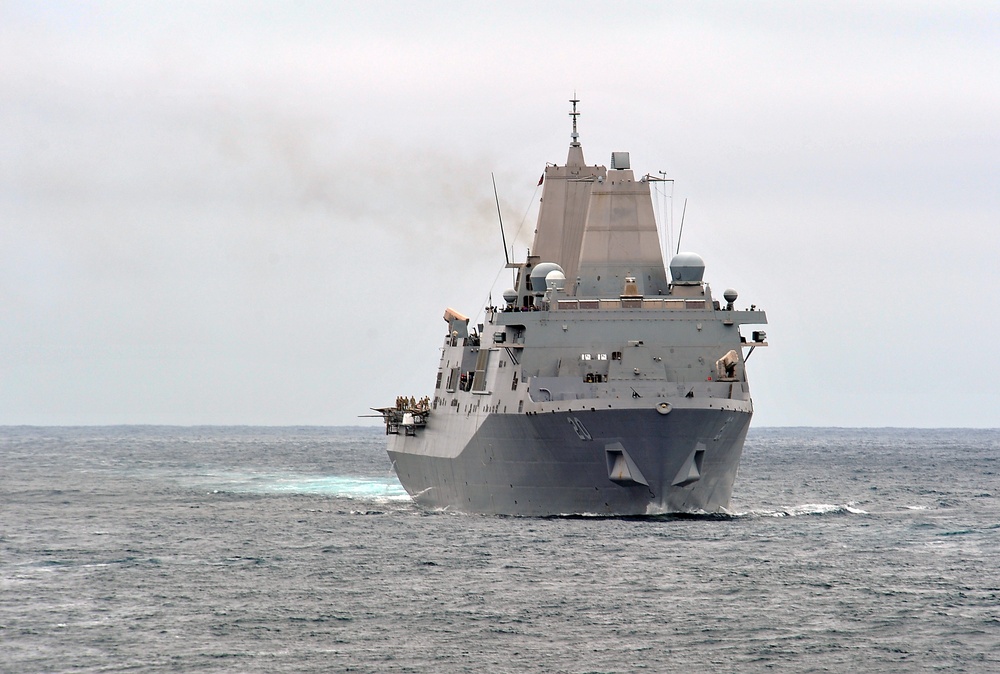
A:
[(256, 213)]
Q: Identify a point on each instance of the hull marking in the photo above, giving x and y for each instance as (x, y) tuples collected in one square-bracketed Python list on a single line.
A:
[(580, 429)]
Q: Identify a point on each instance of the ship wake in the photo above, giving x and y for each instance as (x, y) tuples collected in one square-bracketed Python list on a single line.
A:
[(376, 489)]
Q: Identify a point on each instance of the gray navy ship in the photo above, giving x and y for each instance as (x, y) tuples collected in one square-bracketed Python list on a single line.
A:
[(601, 386)]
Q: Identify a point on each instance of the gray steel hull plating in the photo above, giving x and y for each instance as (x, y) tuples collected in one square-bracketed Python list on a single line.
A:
[(561, 463)]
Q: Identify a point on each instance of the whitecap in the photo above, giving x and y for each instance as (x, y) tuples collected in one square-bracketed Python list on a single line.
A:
[(812, 509)]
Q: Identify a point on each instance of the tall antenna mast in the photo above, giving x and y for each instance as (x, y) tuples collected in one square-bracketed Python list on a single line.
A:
[(574, 114), (668, 227)]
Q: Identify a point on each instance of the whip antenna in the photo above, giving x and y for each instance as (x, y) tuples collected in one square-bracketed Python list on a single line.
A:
[(681, 232), (503, 237)]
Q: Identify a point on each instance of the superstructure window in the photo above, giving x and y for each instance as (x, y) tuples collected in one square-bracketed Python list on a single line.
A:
[(585, 356)]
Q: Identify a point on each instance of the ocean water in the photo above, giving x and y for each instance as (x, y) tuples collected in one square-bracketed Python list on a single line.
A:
[(296, 550)]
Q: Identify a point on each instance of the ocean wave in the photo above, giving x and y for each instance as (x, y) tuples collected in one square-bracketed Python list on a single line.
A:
[(812, 509)]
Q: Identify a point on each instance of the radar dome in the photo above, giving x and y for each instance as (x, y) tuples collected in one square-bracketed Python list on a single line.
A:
[(730, 295), (687, 269), (538, 274), (555, 280), (510, 296)]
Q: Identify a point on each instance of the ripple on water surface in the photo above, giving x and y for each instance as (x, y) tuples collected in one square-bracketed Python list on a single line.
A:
[(281, 550)]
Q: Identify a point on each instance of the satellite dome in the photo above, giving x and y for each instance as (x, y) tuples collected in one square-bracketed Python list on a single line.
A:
[(687, 269), (538, 274), (730, 295), (555, 280), (510, 296)]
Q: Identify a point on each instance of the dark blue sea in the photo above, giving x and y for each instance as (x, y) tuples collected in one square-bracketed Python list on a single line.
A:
[(241, 549)]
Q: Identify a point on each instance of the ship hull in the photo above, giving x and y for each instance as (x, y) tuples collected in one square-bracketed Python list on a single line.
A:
[(603, 462)]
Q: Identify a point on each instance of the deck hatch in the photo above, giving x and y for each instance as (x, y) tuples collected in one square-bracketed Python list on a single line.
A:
[(453, 377), (479, 383)]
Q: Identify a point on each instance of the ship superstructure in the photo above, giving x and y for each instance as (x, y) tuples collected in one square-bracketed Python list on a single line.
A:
[(601, 386)]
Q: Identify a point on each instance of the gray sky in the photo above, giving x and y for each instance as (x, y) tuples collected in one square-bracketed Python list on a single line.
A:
[(256, 213)]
